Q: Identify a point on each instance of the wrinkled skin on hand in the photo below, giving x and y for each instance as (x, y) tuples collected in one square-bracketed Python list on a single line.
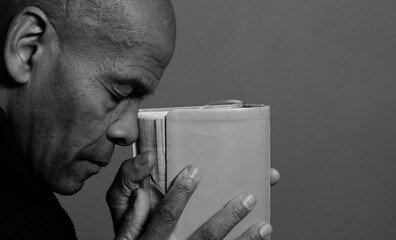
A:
[(129, 206)]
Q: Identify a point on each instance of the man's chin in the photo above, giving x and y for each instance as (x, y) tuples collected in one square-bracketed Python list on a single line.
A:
[(71, 183), (68, 188)]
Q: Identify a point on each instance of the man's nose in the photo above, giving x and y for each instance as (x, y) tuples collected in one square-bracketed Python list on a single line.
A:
[(124, 131)]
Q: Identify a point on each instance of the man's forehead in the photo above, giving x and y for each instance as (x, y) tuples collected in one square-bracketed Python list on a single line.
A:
[(148, 24), (123, 14)]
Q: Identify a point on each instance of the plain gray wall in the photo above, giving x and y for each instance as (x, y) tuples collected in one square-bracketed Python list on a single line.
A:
[(327, 68)]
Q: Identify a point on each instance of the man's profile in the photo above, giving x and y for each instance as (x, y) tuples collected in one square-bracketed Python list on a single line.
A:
[(73, 74)]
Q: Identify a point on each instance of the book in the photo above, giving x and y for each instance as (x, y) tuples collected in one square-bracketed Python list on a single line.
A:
[(229, 143)]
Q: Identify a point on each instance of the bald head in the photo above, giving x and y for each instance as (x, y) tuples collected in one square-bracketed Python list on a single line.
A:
[(114, 23), (120, 23), (91, 12)]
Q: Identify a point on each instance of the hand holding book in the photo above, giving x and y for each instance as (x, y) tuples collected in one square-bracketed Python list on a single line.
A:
[(132, 207), (129, 206)]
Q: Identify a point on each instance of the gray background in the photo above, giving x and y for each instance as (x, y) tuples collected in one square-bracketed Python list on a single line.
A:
[(327, 69)]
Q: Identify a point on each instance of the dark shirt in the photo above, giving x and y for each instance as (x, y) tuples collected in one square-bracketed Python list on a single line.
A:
[(28, 209)]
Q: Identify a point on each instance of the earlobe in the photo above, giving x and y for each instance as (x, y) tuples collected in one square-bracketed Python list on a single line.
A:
[(23, 43)]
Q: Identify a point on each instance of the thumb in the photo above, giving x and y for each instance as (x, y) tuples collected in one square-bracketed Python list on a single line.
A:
[(135, 218), (130, 174)]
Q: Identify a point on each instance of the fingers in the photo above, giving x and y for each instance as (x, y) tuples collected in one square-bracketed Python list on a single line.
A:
[(259, 231), (135, 217), (171, 207), (131, 172), (225, 220), (274, 176)]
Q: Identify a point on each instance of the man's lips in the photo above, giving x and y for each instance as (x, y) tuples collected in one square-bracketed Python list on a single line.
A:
[(101, 160), (99, 163)]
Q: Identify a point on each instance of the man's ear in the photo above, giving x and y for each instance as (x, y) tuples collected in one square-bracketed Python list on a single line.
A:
[(29, 35)]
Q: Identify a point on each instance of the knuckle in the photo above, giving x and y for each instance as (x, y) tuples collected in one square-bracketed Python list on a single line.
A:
[(216, 230), (168, 214), (128, 185), (251, 237), (209, 233)]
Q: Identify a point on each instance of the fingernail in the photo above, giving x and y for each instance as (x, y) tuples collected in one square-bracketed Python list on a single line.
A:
[(140, 160), (249, 201), (194, 173), (265, 231)]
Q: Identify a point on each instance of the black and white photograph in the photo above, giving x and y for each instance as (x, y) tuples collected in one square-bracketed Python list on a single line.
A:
[(197, 120)]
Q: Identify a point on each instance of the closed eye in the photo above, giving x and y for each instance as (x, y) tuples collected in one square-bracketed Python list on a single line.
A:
[(126, 88), (141, 93), (115, 97)]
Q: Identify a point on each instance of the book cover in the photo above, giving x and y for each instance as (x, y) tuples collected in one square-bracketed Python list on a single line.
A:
[(231, 146)]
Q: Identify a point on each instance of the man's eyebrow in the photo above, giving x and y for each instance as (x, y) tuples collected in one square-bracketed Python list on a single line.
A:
[(138, 88), (159, 55)]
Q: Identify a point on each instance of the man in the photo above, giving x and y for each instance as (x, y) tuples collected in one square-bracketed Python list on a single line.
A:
[(73, 74)]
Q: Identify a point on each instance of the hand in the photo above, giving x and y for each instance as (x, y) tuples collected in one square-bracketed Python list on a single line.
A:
[(129, 205)]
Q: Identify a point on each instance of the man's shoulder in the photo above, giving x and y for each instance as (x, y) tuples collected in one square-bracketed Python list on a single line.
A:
[(21, 219), (27, 209)]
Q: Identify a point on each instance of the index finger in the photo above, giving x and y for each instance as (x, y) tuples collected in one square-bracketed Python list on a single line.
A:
[(218, 226), (171, 207)]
